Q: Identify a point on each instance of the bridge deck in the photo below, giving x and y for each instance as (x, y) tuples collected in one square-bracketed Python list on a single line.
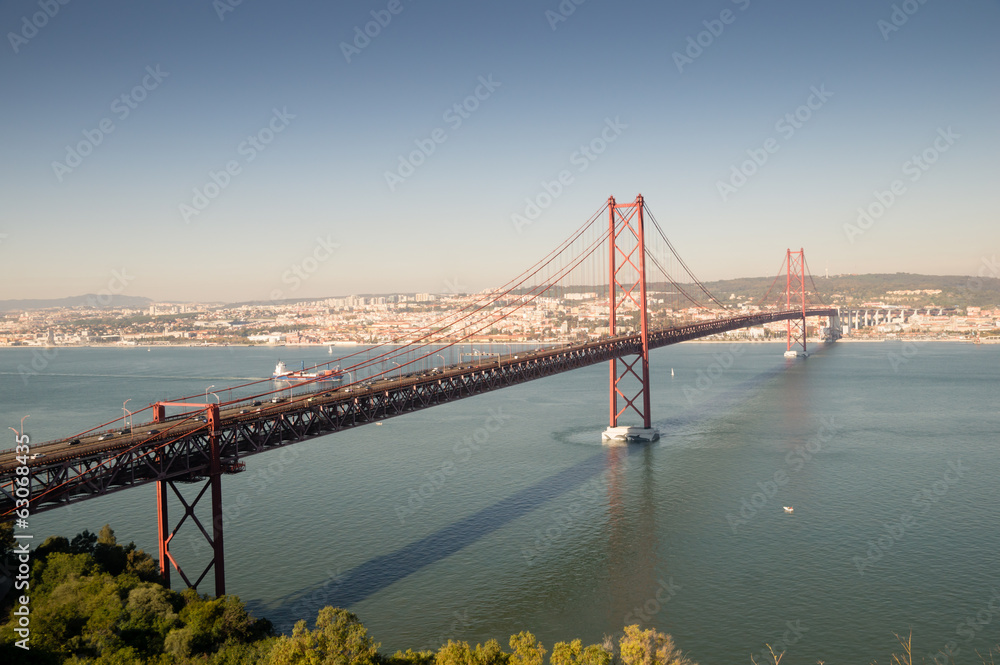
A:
[(179, 448)]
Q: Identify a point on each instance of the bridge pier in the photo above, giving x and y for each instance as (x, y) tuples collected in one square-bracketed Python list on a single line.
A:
[(213, 485)]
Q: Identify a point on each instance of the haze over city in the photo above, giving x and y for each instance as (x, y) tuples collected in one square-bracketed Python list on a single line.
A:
[(209, 149)]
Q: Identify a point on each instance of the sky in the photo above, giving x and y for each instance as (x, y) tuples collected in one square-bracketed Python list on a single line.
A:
[(229, 151)]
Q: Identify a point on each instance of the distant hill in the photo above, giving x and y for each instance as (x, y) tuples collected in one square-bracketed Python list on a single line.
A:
[(956, 290), (94, 300)]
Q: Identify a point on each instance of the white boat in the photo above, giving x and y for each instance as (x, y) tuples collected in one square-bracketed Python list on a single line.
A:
[(788, 509)]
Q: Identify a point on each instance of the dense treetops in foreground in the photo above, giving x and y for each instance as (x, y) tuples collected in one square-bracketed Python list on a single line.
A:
[(94, 601)]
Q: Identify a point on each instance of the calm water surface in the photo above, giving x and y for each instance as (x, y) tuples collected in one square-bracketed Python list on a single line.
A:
[(503, 512)]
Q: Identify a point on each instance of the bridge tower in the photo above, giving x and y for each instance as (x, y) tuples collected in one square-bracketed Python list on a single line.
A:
[(629, 375), (213, 485), (795, 298)]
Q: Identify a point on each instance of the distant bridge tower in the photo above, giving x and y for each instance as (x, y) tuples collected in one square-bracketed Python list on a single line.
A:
[(795, 298), (629, 375)]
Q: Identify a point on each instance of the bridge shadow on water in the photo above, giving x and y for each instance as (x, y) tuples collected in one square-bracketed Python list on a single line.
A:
[(380, 572)]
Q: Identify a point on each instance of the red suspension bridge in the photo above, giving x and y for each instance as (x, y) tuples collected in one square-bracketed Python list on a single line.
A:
[(620, 258)]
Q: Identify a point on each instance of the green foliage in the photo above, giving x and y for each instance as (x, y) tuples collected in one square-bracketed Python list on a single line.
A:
[(338, 639), (83, 543), (106, 536), (649, 647), (527, 650), (491, 654), (51, 545), (94, 601), (573, 653), (411, 657), (6, 540), (460, 653), (454, 653)]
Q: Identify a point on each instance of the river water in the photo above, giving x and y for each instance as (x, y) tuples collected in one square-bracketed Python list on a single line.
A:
[(504, 512)]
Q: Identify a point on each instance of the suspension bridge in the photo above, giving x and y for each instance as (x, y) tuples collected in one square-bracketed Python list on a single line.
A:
[(620, 256)]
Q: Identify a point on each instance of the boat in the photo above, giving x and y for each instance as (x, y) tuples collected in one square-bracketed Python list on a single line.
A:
[(282, 373), (788, 509)]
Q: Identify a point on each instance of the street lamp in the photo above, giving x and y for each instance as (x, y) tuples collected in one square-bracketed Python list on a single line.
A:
[(21, 433), (400, 368), (444, 363), (217, 400), (124, 412), (206, 392)]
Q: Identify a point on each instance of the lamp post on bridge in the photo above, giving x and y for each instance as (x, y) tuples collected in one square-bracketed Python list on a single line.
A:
[(125, 414), (21, 433)]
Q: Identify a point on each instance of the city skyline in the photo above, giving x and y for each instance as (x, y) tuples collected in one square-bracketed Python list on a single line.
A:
[(232, 152)]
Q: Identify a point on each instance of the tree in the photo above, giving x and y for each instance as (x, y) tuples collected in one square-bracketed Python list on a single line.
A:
[(454, 653), (566, 653), (595, 654), (527, 649), (649, 647), (573, 653), (490, 654), (106, 536), (83, 543), (338, 639)]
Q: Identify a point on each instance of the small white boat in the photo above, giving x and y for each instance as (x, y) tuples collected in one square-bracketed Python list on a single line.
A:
[(788, 509), (671, 371)]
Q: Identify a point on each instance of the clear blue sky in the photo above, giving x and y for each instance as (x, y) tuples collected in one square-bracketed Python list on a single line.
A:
[(555, 86)]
